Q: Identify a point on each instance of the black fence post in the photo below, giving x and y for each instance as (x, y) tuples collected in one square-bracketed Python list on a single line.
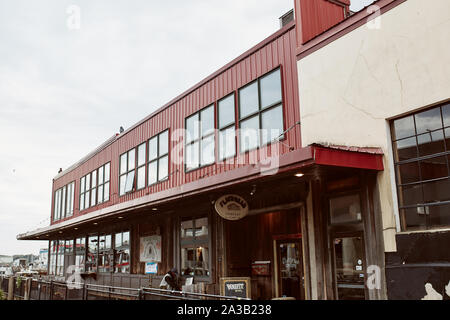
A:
[(51, 290), (39, 289)]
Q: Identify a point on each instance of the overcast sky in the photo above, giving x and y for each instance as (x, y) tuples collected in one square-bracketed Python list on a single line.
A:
[(64, 91)]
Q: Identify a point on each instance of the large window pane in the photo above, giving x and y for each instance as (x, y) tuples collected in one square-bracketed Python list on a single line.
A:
[(164, 143), (129, 182), (100, 194), (100, 175), (141, 178), (408, 173), (123, 163), (123, 180), (153, 172), (192, 128), (270, 89), (226, 111), (227, 143), (446, 115), (207, 120), (404, 128), (249, 134), (131, 159), (93, 197), (431, 143), (345, 209), (436, 191), (163, 170), (192, 156), (415, 218), (141, 155), (405, 149), (434, 168), (272, 124), (439, 215), (428, 120), (106, 192), (248, 100), (208, 155), (153, 148), (411, 195), (94, 178), (107, 171)]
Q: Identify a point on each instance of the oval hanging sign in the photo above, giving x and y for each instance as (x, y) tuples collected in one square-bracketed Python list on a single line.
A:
[(231, 207)]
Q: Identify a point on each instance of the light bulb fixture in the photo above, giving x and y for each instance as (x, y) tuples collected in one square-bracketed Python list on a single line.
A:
[(299, 175), (252, 193)]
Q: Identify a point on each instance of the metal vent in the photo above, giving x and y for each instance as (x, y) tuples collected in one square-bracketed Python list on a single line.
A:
[(287, 18)]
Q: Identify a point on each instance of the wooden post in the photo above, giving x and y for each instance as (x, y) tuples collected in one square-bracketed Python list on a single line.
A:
[(26, 295), (11, 288)]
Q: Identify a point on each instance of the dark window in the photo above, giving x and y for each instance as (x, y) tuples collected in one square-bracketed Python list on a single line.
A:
[(200, 139), (80, 253), (261, 112), (158, 158), (105, 256), (421, 155), (194, 246), (92, 252)]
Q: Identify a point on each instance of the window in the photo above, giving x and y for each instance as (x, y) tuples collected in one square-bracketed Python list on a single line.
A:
[(421, 145), (91, 259), (68, 253), (80, 253), (60, 259), (105, 254), (261, 112), (53, 257), (226, 123), (127, 171), (103, 183), (63, 202), (195, 247), (158, 158), (88, 189), (345, 209), (200, 139), (122, 252), (140, 182)]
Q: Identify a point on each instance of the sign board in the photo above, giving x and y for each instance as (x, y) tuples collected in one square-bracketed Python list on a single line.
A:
[(235, 287), (231, 207), (151, 268), (150, 249), (261, 268)]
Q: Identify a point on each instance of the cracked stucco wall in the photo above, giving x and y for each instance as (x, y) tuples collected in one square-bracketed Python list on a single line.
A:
[(349, 88)]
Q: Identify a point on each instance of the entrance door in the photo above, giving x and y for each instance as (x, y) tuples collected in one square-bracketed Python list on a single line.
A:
[(290, 268), (349, 265)]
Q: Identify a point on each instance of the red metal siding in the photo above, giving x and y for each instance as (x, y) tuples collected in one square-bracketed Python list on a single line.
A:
[(276, 51), (317, 16)]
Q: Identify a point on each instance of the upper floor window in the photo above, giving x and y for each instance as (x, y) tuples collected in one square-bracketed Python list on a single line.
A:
[(141, 156), (94, 187), (261, 112), (421, 145), (127, 171), (200, 139), (63, 202), (226, 125), (104, 174), (158, 158)]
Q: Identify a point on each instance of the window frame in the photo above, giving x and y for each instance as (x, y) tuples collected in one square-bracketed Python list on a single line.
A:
[(63, 202), (127, 172), (103, 183), (261, 110), (200, 138), (419, 160), (226, 127), (159, 156), (195, 244)]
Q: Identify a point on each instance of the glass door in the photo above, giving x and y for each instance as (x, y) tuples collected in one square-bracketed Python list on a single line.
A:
[(349, 267), (290, 262)]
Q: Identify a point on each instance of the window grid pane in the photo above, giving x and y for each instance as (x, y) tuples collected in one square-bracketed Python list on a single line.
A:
[(421, 156)]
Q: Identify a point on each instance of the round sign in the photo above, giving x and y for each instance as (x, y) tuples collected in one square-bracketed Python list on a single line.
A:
[(231, 207)]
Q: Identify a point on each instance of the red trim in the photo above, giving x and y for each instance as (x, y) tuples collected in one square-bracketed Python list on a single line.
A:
[(287, 236), (348, 159)]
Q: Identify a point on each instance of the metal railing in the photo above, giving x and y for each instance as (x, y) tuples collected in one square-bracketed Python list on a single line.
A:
[(39, 289)]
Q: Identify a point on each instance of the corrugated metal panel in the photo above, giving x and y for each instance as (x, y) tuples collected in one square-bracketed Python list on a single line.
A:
[(316, 16), (278, 52)]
